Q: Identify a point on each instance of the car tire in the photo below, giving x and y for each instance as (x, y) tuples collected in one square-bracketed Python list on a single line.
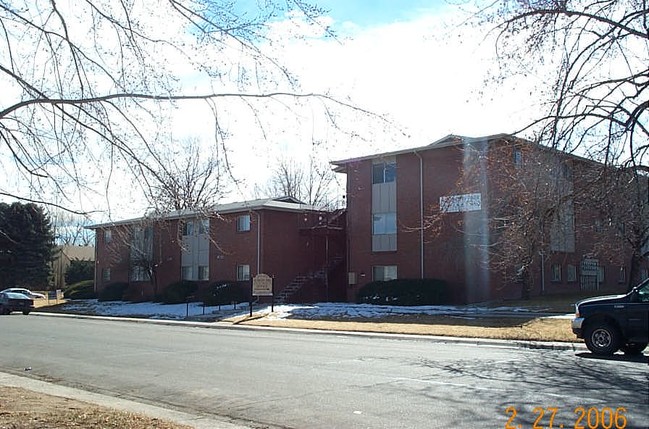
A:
[(25, 312), (602, 338), (4, 311), (633, 349)]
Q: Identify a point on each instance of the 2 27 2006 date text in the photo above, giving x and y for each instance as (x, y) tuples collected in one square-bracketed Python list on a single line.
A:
[(583, 418)]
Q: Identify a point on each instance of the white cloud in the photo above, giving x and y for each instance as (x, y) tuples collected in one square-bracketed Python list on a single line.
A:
[(426, 74)]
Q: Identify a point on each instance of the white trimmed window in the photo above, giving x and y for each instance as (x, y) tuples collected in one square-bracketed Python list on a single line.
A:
[(243, 223), (243, 272), (105, 274), (203, 272), (188, 228), (556, 273), (571, 273), (384, 172), (204, 226), (621, 277), (384, 223), (517, 157), (186, 273), (139, 274), (108, 236), (384, 272)]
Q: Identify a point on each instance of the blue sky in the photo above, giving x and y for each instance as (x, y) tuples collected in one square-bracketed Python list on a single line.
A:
[(377, 12)]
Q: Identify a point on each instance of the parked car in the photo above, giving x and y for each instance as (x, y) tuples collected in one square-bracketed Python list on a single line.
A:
[(611, 323), (27, 292), (13, 301)]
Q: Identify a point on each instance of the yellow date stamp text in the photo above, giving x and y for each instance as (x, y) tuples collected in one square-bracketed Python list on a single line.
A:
[(581, 418)]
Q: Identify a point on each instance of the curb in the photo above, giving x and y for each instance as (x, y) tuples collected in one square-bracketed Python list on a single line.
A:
[(120, 404), (524, 344)]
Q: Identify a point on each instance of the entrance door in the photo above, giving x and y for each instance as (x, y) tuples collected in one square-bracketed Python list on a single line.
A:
[(588, 275)]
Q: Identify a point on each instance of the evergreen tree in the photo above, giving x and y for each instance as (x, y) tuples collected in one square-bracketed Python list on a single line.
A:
[(79, 270), (26, 246)]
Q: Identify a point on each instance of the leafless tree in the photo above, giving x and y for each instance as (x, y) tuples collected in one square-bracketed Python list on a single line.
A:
[(189, 178), (595, 57), (532, 210), (313, 184), (71, 229), (527, 191), (622, 199), (87, 86)]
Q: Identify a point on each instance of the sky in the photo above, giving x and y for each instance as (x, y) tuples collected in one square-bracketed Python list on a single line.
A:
[(412, 62), (378, 12)]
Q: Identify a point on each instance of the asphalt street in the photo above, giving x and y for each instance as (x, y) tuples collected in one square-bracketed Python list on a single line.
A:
[(328, 380)]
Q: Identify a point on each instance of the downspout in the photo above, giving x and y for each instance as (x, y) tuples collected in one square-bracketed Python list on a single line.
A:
[(258, 242), (96, 261), (421, 214)]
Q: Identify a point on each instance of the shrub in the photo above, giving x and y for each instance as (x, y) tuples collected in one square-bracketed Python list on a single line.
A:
[(81, 290), (404, 292), (179, 292), (226, 292), (79, 270), (113, 292)]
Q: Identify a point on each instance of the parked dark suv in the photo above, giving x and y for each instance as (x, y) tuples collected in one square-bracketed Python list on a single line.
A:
[(611, 323)]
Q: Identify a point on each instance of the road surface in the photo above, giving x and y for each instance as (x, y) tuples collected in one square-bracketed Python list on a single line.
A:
[(319, 380)]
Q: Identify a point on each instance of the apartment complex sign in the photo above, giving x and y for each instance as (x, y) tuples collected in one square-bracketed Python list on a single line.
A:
[(262, 285), (460, 203)]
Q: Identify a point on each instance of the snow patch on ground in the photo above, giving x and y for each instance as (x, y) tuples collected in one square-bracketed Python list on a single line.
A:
[(305, 311)]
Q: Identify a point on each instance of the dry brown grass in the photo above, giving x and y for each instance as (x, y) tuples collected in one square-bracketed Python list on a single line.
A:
[(24, 409), (531, 329)]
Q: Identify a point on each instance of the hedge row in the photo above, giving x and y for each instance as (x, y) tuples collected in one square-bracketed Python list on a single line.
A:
[(404, 292), (218, 293), (82, 290), (407, 292)]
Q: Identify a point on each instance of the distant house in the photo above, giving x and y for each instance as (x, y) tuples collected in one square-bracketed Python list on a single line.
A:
[(429, 212), (63, 255), (301, 247)]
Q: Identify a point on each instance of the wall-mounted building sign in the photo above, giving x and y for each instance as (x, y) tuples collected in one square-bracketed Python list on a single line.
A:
[(460, 203)]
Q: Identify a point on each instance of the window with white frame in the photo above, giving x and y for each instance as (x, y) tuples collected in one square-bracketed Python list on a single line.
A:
[(188, 228), (517, 157), (571, 273), (186, 273), (384, 172), (139, 274), (203, 272), (243, 223), (108, 236), (384, 272), (195, 251), (105, 274), (621, 276), (556, 273), (204, 226), (384, 223), (243, 272)]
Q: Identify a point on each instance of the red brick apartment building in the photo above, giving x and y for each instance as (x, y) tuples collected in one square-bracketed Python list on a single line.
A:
[(300, 247), (437, 212)]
